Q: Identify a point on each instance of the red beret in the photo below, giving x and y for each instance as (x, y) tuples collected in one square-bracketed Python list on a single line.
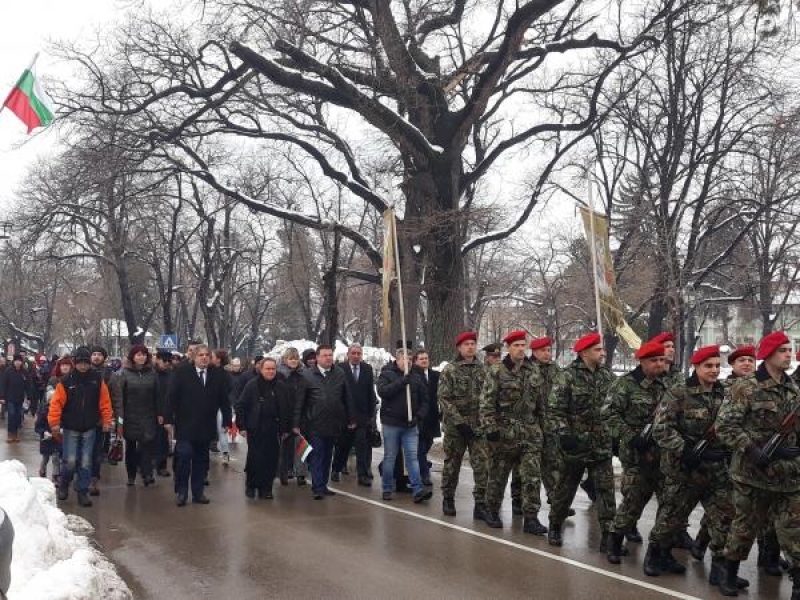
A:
[(771, 342), (703, 354), (663, 338), (650, 349), (741, 351), (515, 336), (542, 342), (587, 341), (466, 336)]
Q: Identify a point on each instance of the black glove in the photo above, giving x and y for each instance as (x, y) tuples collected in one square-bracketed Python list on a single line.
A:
[(639, 443), (465, 431), (568, 443), (405, 380), (493, 436), (757, 456), (689, 459)]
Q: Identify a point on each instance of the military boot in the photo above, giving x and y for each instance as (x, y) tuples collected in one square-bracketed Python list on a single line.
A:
[(717, 574), (652, 560), (614, 553), (769, 557), (795, 575), (669, 564), (683, 540), (554, 535), (701, 543), (516, 506), (534, 526), (727, 585), (449, 506), (479, 512), (492, 519), (634, 536)]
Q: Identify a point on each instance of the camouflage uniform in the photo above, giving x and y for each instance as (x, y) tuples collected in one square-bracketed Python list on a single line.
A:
[(674, 376), (511, 405), (460, 386), (631, 405), (574, 409), (685, 414), (551, 453), (754, 413)]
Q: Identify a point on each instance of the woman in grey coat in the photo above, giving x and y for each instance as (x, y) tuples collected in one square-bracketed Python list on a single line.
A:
[(137, 406)]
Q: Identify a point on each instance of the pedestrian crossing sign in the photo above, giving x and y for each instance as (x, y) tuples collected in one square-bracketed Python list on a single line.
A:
[(168, 341)]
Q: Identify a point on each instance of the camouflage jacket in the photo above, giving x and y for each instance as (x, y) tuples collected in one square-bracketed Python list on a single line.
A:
[(460, 386), (754, 411), (686, 414), (674, 376), (511, 401), (630, 406), (549, 373), (575, 405)]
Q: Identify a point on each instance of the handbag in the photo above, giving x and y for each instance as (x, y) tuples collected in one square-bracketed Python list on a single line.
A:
[(115, 452), (375, 438)]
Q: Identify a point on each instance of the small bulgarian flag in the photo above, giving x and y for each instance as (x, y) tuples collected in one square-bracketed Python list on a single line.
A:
[(30, 102), (303, 449)]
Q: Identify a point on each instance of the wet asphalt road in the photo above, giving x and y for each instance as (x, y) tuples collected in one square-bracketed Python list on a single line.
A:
[(356, 546)]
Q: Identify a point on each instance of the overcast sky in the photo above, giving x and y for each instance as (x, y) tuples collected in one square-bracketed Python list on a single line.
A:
[(25, 29)]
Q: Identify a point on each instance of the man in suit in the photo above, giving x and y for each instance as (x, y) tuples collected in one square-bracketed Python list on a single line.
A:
[(196, 393), (360, 380), (429, 429)]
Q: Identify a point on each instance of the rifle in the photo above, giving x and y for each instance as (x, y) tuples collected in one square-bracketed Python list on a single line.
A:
[(779, 437), (701, 446)]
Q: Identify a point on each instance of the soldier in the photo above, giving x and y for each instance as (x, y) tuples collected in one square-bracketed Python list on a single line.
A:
[(460, 386), (511, 414), (766, 488), (631, 404), (492, 353), (674, 375), (577, 427), (694, 463)]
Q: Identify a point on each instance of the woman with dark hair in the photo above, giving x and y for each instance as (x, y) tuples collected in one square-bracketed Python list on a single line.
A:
[(137, 405), (49, 447)]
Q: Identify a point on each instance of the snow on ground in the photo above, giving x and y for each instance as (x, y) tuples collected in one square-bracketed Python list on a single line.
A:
[(376, 357), (50, 561)]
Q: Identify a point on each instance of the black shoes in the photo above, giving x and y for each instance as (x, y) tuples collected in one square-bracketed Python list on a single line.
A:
[(180, 500), (301, 481), (163, 473), (633, 536), (669, 564), (492, 519), (718, 574), (83, 499), (422, 495), (570, 512), (149, 480), (63, 492), (554, 535), (615, 551), (265, 493), (387, 496), (328, 492), (479, 512), (131, 481), (534, 526), (449, 507), (250, 492), (652, 560), (427, 481), (336, 477), (365, 481), (318, 495), (201, 499), (683, 540), (728, 585)]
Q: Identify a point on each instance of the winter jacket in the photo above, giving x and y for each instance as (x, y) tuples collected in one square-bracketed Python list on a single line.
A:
[(192, 407), (394, 405), (264, 403), (304, 394), (80, 402), (136, 397), (430, 427), (325, 410), (363, 400), (16, 386)]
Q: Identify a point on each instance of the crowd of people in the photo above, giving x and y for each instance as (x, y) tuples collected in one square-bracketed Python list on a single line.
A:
[(729, 445)]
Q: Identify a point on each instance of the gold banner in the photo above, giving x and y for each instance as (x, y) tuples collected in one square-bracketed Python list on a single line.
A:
[(388, 275)]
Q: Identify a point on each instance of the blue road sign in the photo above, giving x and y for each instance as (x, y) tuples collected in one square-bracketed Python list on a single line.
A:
[(168, 341)]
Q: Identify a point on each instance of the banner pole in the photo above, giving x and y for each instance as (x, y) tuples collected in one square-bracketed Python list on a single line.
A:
[(402, 309), (593, 252)]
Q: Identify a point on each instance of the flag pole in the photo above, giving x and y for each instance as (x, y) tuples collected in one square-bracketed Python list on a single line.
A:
[(593, 252), (402, 309), (30, 68)]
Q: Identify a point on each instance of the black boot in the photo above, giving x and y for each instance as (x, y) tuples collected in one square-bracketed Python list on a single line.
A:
[(479, 512), (669, 564), (683, 540), (769, 556), (250, 492), (605, 541), (701, 543), (554, 535), (633, 536), (652, 560), (449, 507), (717, 574), (728, 585), (516, 506), (614, 553), (534, 526), (493, 519)]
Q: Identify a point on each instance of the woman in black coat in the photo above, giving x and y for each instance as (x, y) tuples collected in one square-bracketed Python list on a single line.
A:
[(263, 415), (138, 407)]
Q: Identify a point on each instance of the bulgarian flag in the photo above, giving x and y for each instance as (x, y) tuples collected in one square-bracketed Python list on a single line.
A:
[(30, 102), (303, 449)]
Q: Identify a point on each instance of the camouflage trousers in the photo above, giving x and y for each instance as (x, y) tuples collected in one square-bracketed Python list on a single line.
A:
[(638, 484), (711, 488), (503, 457), (454, 446), (552, 468), (755, 509), (571, 474)]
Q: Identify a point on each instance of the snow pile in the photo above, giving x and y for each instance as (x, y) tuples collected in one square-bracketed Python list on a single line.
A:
[(50, 562), (376, 357)]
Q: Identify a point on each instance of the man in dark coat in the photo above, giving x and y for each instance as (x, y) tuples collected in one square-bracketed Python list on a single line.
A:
[(99, 355), (16, 388), (429, 428), (360, 381), (196, 393), (327, 418), (163, 367)]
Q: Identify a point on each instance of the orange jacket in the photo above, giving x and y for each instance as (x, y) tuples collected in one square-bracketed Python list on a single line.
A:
[(59, 401)]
